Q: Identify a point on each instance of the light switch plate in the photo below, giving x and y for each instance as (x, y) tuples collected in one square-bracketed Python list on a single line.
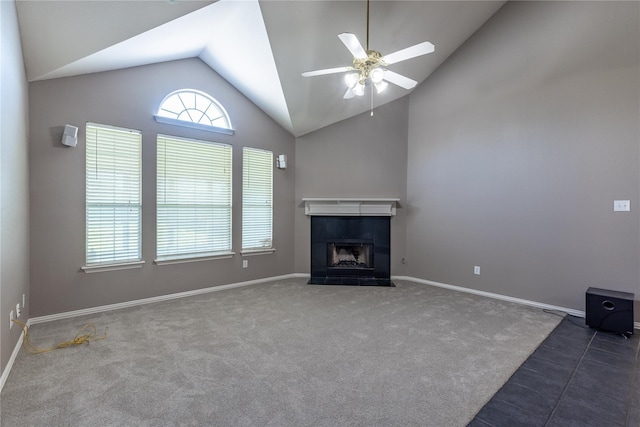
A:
[(622, 205)]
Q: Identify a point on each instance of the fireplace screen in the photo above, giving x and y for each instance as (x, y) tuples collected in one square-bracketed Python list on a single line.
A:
[(350, 255)]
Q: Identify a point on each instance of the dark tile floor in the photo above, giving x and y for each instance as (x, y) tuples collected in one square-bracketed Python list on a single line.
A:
[(578, 376)]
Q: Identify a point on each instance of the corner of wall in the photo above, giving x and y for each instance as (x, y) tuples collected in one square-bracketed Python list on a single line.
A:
[(14, 183)]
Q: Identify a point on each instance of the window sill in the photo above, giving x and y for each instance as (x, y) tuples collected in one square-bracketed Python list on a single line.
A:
[(199, 126), (252, 252), (111, 267), (178, 260)]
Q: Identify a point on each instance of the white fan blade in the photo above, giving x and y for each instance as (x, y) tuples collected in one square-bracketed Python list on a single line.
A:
[(410, 52), (349, 94), (400, 80), (326, 71), (354, 46)]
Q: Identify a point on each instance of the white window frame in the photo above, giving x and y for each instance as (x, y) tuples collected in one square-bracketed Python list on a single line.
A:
[(195, 109), (257, 201), (113, 201), (194, 200)]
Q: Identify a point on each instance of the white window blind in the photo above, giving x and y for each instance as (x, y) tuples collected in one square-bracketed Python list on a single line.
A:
[(257, 199), (194, 198), (113, 195)]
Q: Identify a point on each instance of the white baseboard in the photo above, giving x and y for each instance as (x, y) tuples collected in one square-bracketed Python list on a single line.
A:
[(577, 313), (126, 304), (100, 309), (12, 359), (110, 307), (570, 311)]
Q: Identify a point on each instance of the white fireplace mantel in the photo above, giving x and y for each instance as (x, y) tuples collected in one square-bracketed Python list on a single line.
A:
[(350, 206)]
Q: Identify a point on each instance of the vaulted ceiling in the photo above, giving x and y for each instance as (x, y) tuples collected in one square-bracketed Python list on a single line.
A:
[(260, 47)]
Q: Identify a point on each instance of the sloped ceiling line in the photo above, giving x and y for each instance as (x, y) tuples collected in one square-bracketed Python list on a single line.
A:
[(260, 47)]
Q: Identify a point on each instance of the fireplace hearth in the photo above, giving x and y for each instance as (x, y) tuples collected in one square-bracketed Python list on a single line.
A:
[(350, 250)]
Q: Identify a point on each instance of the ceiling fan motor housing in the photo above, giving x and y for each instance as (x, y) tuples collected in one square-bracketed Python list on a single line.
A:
[(366, 65)]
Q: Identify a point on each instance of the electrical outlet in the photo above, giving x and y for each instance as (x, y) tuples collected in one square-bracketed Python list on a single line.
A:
[(621, 205), (402, 261), (476, 270), (11, 319), (245, 263), (18, 311)]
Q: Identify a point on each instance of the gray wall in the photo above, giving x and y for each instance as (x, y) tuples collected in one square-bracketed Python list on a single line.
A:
[(129, 98), (508, 157), (14, 180), (362, 156), (518, 146)]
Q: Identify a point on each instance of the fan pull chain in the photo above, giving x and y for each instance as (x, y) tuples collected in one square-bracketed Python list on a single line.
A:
[(371, 88), (372, 102)]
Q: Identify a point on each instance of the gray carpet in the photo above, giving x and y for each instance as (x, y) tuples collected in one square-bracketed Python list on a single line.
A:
[(279, 354)]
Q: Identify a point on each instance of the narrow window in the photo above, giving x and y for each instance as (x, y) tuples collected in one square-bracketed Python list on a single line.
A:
[(113, 195), (257, 199), (193, 198)]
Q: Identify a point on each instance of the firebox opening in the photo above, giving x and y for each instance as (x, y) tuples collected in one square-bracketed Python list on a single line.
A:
[(350, 255)]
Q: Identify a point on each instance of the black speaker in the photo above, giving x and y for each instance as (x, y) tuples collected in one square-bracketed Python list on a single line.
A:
[(610, 310)]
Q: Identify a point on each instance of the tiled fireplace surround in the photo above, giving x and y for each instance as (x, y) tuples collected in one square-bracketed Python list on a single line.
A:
[(351, 241)]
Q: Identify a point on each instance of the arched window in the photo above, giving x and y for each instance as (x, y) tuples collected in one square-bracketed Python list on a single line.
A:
[(192, 108)]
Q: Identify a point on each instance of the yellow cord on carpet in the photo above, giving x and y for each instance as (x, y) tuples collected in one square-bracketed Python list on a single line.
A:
[(80, 338)]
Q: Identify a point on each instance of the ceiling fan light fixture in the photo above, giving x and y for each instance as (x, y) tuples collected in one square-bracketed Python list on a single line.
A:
[(351, 79), (349, 94), (381, 86), (377, 75), (369, 66), (358, 89)]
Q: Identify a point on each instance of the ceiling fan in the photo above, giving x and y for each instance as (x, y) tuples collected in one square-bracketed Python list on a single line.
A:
[(369, 66)]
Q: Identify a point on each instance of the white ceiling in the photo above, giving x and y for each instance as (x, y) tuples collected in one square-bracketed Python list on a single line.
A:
[(260, 47)]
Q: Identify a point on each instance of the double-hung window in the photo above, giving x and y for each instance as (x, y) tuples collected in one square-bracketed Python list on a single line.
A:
[(257, 200), (193, 199), (113, 196)]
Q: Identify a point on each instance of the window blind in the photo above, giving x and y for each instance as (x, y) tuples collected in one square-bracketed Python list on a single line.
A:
[(113, 195), (257, 199), (193, 198)]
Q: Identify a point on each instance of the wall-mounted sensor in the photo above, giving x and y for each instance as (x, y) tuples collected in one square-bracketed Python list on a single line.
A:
[(281, 161), (70, 136)]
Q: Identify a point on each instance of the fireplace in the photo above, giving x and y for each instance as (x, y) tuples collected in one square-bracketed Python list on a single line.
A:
[(350, 250)]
